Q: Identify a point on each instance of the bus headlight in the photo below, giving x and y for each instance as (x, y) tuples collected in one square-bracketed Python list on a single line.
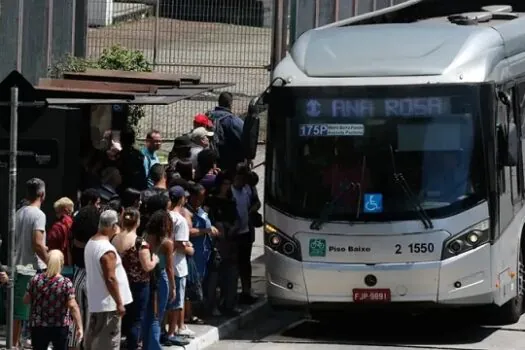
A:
[(280, 242), (467, 240)]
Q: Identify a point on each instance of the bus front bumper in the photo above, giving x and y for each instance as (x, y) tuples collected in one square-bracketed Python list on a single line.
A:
[(459, 281)]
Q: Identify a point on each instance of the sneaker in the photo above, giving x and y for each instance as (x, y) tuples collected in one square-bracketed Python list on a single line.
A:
[(27, 344), (178, 340), (186, 332)]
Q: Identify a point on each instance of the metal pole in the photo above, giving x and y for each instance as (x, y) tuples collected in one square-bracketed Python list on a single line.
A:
[(156, 34), (12, 215), (49, 32), (20, 35)]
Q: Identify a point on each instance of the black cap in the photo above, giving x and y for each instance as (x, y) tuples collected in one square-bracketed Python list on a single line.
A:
[(182, 142)]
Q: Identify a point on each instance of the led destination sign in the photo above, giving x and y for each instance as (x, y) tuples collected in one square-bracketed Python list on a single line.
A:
[(365, 108)]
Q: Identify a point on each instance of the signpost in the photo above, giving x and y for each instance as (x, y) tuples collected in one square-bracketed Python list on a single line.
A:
[(13, 136)]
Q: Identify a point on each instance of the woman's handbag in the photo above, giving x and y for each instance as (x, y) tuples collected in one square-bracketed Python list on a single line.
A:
[(194, 283)]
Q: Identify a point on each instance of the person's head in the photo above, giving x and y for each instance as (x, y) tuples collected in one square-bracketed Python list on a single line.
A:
[(91, 196), (130, 198), (206, 160), (200, 136), (171, 176), (185, 169), (178, 196), (159, 225), (153, 140), (181, 147), (157, 174), (116, 205), (55, 263), (225, 100), (35, 190), (111, 177), (64, 206), (131, 219), (241, 176), (108, 223), (223, 183), (202, 120), (180, 182), (197, 195), (127, 137), (159, 201)]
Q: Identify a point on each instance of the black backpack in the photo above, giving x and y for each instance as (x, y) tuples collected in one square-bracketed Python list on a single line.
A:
[(219, 138), (250, 135)]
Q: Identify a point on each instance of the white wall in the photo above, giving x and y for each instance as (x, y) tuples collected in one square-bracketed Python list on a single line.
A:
[(100, 12)]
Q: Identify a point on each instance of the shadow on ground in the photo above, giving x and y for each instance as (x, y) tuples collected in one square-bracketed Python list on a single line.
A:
[(434, 328)]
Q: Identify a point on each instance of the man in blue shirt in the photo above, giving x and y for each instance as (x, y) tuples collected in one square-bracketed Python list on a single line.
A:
[(153, 143), (228, 133)]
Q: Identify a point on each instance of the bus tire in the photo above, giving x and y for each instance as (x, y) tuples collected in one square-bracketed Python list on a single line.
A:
[(511, 311)]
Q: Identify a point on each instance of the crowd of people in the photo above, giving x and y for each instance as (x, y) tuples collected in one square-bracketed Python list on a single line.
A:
[(151, 248)]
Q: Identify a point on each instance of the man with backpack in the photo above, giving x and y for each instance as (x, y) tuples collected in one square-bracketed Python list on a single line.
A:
[(227, 135)]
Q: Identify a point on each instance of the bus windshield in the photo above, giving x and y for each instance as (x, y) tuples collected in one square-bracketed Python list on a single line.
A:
[(372, 154)]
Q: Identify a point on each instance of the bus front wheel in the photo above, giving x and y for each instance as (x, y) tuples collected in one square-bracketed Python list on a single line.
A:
[(511, 312)]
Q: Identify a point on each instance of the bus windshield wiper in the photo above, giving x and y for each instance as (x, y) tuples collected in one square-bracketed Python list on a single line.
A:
[(329, 206), (410, 196)]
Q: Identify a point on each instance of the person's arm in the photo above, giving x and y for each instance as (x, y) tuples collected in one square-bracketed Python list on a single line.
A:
[(4, 278), (55, 236), (108, 262), (256, 202), (27, 296), (195, 232), (74, 309), (38, 240), (168, 250), (147, 260)]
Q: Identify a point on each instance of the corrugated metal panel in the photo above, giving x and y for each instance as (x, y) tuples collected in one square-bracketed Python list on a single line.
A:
[(153, 78), (97, 85), (8, 37)]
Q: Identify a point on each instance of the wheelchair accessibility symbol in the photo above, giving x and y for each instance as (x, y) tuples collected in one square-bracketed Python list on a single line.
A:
[(373, 203)]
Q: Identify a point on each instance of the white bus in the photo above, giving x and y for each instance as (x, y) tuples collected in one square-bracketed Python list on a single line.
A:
[(394, 163)]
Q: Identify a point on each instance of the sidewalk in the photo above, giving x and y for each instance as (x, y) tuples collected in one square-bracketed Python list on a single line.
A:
[(219, 327)]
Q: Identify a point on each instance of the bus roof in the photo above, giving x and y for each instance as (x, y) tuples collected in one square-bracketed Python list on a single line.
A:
[(436, 46)]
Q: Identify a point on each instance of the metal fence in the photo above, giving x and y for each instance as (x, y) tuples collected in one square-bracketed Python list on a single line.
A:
[(219, 40)]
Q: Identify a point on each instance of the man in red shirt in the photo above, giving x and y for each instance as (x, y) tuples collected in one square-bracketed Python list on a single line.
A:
[(58, 234)]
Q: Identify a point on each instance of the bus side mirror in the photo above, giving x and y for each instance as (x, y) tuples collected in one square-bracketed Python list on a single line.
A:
[(251, 128)]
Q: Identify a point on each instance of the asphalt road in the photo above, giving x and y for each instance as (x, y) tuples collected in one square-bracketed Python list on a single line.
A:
[(377, 331)]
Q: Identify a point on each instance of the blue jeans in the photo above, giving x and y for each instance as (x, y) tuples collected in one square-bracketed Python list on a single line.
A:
[(135, 314), (152, 322)]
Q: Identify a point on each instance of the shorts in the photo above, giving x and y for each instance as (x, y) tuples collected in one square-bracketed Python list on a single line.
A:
[(180, 290)]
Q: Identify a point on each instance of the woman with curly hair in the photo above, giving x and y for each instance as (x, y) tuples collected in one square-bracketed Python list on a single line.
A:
[(162, 281)]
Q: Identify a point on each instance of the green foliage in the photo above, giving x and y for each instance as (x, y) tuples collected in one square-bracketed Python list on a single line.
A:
[(114, 58), (119, 58)]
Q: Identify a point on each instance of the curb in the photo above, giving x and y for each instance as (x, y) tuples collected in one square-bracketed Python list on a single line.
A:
[(229, 327)]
